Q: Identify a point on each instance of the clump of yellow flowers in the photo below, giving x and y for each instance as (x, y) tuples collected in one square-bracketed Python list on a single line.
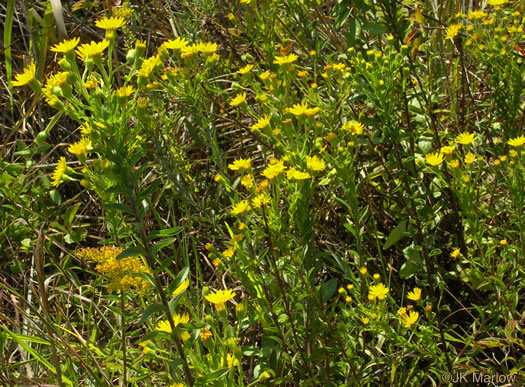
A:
[(122, 272)]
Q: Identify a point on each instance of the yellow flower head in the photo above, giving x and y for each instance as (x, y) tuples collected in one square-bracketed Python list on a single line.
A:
[(516, 142), (26, 76), (241, 164), (66, 46), (219, 298), (82, 147), (415, 295), (181, 288), (454, 164), (264, 76), (448, 149), (274, 170), (110, 23), (286, 59), (207, 48), (148, 66), (303, 109), (246, 69), (247, 181), (125, 91), (453, 30), (315, 164), (294, 174), (92, 49), (434, 159), (239, 98), (378, 291), (497, 2), (262, 123), (165, 326), (205, 334), (261, 200), (241, 207), (354, 127), (470, 158), (455, 253), (363, 270), (466, 138), (410, 319), (59, 172), (230, 360), (177, 44)]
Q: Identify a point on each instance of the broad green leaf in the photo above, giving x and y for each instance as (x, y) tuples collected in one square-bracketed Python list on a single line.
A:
[(328, 289), (396, 234), (149, 311), (133, 251), (164, 233)]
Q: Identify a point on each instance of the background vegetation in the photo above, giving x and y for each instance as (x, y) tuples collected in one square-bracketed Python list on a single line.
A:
[(261, 192)]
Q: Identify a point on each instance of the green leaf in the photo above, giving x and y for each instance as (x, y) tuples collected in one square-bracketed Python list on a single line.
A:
[(179, 279), (133, 251), (164, 233), (118, 207), (414, 262), (70, 215), (374, 28), (396, 234), (328, 289), (160, 245), (150, 310)]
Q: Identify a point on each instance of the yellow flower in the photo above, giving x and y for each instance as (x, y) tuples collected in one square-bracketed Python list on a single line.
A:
[(274, 170), (125, 91), (497, 2), (219, 298), (466, 138), (365, 320), (415, 295), (455, 253), (247, 181), (230, 360), (165, 326), (81, 147), (261, 200), (246, 1), (122, 272), (207, 48), (264, 76), (66, 46), (246, 69), (239, 98), (229, 252), (454, 164), (453, 30), (92, 49), (303, 109), (516, 142), (348, 299), (476, 15), (503, 242), (26, 76), (363, 270), (315, 163), (286, 59), (294, 174), (241, 207), (378, 291), (410, 319), (205, 334), (59, 172), (111, 23), (402, 311), (216, 262), (434, 159), (177, 44), (148, 65), (241, 164), (262, 123), (181, 288), (470, 158), (354, 127), (448, 149)]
